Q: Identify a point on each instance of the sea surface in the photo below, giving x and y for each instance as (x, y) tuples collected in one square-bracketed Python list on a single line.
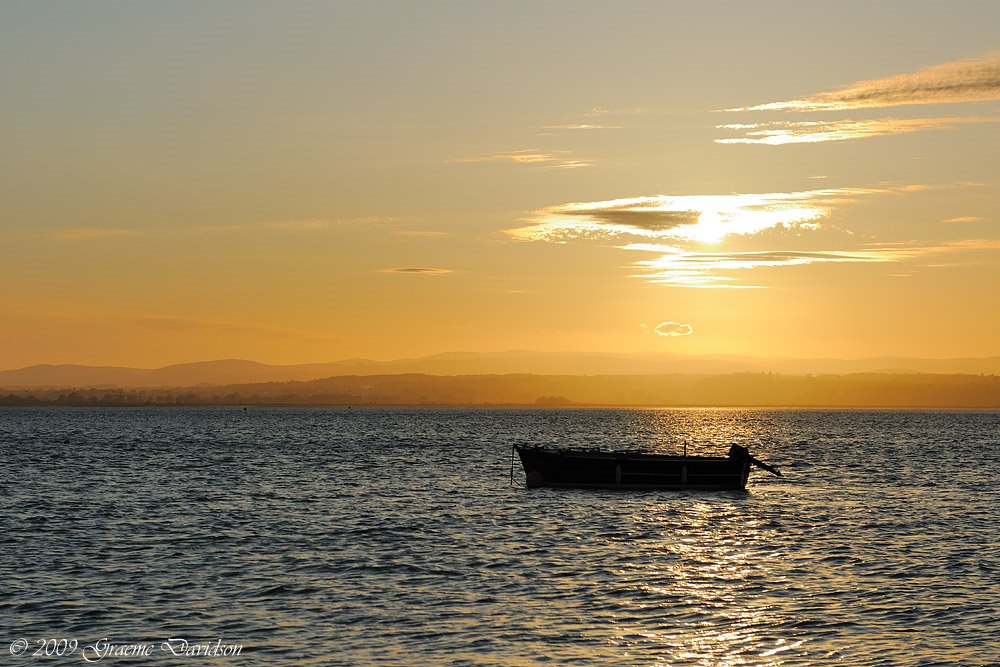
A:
[(395, 537)]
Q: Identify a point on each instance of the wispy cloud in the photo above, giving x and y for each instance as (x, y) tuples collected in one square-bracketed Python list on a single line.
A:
[(422, 271), (969, 80), (973, 244), (295, 225), (419, 233), (963, 218), (598, 118), (601, 112), (680, 267), (776, 133), (582, 126), (88, 233), (557, 160)]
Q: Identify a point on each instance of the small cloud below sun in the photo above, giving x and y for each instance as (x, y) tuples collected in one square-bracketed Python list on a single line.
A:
[(670, 329)]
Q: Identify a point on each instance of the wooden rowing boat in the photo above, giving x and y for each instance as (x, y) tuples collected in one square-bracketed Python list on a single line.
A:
[(544, 466)]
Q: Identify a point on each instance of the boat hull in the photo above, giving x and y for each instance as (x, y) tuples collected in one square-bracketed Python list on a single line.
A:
[(629, 470)]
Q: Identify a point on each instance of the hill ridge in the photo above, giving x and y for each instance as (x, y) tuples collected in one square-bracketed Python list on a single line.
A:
[(241, 371)]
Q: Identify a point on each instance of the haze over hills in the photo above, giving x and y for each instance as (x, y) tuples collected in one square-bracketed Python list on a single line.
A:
[(234, 371)]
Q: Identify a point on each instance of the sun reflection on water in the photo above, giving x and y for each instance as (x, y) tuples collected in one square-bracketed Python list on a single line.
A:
[(703, 566)]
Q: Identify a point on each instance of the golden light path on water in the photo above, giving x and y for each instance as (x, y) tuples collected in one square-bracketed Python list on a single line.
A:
[(708, 574), (711, 567)]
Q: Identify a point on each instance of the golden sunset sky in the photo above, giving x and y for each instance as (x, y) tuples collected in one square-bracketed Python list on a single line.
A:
[(312, 181)]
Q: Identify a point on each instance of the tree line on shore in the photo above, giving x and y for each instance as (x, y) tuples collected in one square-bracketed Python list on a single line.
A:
[(739, 389)]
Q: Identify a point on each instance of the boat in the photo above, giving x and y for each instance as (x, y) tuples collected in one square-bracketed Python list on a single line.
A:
[(546, 466)]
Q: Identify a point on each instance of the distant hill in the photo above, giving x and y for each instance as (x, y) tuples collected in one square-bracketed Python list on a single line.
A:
[(235, 371)]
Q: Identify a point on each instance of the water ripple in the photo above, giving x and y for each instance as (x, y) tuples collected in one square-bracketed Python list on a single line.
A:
[(391, 537)]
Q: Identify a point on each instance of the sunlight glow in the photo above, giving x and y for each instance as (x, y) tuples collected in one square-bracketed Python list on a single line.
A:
[(701, 218), (678, 227)]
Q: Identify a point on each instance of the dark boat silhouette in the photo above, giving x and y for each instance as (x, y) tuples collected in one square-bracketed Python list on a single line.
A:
[(636, 470)]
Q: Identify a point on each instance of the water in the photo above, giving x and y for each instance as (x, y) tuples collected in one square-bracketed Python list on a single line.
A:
[(392, 537)]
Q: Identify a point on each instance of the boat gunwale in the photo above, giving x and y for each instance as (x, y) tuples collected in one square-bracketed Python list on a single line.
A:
[(608, 454)]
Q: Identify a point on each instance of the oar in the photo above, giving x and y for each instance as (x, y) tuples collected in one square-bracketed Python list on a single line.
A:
[(764, 466)]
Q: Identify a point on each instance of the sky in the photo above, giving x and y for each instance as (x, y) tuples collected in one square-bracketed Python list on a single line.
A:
[(313, 181)]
